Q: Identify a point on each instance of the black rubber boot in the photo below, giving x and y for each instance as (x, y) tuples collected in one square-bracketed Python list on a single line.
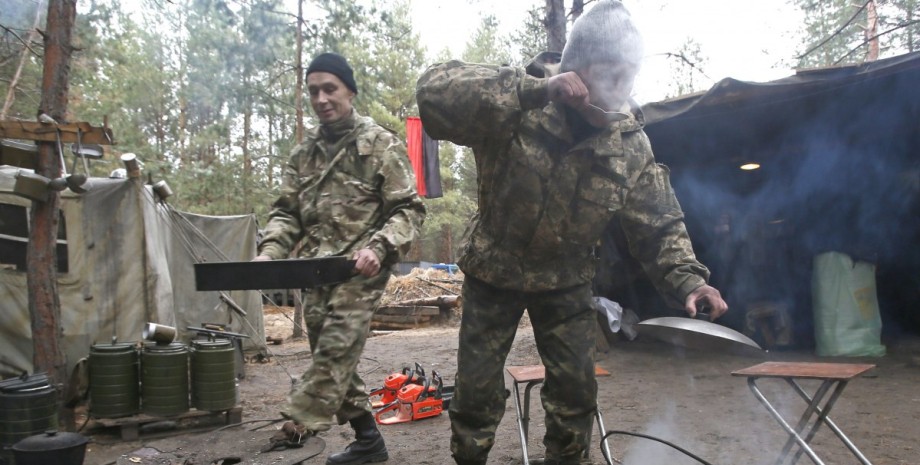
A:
[(368, 446)]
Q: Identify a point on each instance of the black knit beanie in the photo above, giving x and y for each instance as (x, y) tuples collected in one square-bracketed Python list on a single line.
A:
[(335, 64)]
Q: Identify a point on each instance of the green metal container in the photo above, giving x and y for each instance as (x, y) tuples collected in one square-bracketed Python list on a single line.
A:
[(164, 379), (28, 406), (213, 375), (114, 389)]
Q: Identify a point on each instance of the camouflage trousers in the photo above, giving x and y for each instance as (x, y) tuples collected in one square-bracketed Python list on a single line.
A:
[(338, 321), (564, 329)]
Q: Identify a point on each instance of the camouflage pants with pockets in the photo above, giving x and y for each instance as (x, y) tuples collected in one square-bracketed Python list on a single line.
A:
[(338, 321), (564, 329)]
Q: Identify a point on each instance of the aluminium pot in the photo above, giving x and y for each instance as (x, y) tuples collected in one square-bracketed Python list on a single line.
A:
[(61, 448)]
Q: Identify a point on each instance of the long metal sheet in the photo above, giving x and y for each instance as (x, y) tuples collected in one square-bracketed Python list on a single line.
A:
[(272, 274)]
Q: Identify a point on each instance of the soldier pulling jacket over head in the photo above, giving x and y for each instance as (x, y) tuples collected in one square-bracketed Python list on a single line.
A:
[(560, 152)]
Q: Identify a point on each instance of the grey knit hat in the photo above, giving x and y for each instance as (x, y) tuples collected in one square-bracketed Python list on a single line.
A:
[(603, 34)]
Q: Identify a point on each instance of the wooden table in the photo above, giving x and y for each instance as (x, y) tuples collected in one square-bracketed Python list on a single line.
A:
[(530, 376), (834, 378)]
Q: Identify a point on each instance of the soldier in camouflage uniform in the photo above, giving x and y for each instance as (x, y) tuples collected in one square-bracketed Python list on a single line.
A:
[(348, 189), (553, 171)]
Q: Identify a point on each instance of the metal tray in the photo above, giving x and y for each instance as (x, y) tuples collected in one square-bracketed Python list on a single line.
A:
[(273, 274), (699, 334)]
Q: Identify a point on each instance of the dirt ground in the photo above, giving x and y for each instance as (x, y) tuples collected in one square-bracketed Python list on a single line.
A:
[(687, 397)]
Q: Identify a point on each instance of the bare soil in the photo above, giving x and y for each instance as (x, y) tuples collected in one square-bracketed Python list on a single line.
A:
[(684, 396)]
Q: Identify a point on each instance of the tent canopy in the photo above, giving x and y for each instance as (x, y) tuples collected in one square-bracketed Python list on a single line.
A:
[(839, 156), (125, 258)]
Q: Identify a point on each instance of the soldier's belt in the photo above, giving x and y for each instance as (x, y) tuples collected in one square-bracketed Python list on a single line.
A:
[(273, 274)]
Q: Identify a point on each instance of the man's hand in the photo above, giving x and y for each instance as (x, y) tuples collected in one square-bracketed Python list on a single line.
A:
[(706, 296), (568, 88), (366, 262), (261, 258)]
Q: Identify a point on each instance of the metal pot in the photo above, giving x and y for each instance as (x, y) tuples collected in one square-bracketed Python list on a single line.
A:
[(51, 447)]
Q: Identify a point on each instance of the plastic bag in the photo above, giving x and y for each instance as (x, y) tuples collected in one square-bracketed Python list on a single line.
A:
[(845, 306)]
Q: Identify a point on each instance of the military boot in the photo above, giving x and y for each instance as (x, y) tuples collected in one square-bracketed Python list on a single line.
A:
[(368, 446)]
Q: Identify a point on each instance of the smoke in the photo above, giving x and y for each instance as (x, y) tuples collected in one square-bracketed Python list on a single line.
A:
[(642, 451), (839, 172)]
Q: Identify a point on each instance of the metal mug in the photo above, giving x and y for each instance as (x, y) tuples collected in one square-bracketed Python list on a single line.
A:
[(159, 333)]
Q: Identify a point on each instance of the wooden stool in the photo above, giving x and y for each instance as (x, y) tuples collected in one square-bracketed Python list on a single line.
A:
[(530, 376), (830, 374)]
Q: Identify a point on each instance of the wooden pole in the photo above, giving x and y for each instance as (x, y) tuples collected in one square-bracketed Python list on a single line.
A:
[(44, 303), (555, 25)]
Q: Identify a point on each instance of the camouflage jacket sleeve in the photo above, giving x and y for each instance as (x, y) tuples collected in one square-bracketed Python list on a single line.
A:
[(403, 210), (654, 225), (284, 229), (470, 103)]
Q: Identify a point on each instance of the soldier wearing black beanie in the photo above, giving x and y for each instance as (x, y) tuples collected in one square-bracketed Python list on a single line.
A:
[(348, 189), (336, 64)]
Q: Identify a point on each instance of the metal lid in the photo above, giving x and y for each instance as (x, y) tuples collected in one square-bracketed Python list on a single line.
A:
[(212, 345), (113, 347), (25, 383), (50, 440)]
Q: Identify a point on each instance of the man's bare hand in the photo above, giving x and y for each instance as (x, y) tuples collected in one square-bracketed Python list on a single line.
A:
[(568, 88), (706, 297), (366, 262), (261, 258)]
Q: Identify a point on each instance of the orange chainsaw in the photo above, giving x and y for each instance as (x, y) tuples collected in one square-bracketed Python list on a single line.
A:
[(387, 394), (415, 402)]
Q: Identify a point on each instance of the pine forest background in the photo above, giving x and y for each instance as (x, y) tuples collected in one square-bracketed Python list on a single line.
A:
[(204, 91)]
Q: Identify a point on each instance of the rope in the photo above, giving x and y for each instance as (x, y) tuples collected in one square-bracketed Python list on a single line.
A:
[(184, 230)]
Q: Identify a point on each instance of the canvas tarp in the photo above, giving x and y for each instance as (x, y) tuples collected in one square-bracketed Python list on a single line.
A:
[(753, 119), (130, 260)]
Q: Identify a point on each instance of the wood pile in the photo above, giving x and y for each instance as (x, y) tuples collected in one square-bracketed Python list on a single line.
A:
[(422, 298)]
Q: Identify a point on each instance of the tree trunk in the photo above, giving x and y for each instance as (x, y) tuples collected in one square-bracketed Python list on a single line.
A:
[(247, 157), (578, 7), (160, 124), (44, 303), (182, 124), (11, 92), (555, 25), (872, 31), (298, 91), (271, 146)]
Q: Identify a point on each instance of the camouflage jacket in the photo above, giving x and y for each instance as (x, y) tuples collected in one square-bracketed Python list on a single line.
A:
[(545, 200), (361, 195)]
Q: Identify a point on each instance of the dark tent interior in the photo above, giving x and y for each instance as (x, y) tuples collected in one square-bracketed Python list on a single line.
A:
[(838, 151)]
